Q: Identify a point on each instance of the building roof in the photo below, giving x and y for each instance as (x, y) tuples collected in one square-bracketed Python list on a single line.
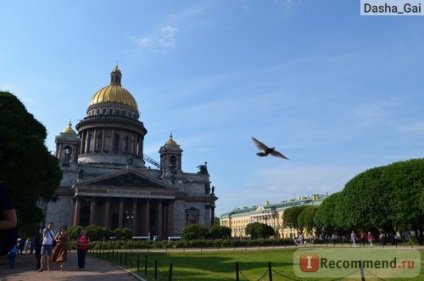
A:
[(315, 199)]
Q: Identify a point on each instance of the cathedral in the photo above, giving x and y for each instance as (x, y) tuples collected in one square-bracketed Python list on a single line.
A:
[(106, 181)]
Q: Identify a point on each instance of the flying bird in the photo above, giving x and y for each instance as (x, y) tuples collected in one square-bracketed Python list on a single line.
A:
[(267, 150)]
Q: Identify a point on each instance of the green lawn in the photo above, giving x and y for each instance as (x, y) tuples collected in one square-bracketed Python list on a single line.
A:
[(207, 265)]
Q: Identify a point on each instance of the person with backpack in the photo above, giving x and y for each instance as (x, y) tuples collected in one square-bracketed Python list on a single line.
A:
[(8, 221), (48, 236), (83, 243)]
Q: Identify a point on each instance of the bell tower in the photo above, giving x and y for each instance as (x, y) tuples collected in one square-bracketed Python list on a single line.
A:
[(170, 159), (67, 146)]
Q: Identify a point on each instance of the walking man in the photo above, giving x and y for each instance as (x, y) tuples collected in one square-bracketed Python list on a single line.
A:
[(48, 235)]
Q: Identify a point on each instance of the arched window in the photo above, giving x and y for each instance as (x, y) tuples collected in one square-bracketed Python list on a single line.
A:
[(137, 151), (67, 154), (116, 143), (173, 163)]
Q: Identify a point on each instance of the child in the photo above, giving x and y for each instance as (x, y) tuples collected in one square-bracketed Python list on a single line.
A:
[(12, 256)]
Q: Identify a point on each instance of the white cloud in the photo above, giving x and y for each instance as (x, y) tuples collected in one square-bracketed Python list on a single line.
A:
[(165, 37)]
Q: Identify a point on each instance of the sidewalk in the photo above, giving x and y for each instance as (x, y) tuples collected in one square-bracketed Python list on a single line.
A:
[(95, 270)]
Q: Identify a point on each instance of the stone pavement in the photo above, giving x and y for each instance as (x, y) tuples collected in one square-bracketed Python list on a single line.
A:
[(95, 270)]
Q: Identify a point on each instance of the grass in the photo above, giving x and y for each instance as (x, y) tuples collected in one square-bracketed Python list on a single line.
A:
[(214, 265)]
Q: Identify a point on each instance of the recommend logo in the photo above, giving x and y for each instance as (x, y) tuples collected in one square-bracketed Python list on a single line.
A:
[(392, 8), (356, 262)]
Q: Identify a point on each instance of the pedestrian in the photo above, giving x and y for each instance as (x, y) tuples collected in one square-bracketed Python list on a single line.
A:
[(8, 221), (382, 238), (353, 238), (334, 238), (13, 253), (48, 234), (83, 243), (300, 240), (21, 246), (63, 246), (28, 245), (370, 238), (362, 238)]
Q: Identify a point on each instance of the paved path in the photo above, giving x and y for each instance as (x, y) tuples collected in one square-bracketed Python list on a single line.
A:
[(95, 270)]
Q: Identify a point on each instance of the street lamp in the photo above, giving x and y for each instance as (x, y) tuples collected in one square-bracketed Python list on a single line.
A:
[(129, 215)]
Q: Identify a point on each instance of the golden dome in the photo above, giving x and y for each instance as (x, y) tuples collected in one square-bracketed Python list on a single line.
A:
[(114, 93), (171, 141), (69, 129)]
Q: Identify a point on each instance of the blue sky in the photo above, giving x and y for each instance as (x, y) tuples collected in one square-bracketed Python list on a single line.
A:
[(336, 92)]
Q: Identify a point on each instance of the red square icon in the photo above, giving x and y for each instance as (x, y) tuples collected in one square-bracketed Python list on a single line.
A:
[(309, 262)]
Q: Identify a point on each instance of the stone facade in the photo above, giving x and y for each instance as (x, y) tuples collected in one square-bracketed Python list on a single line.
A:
[(105, 179)]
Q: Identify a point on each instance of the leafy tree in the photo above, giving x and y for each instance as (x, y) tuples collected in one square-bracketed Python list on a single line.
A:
[(324, 216), (120, 233), (219, 232), (98, 233), (406, 180), (421, 203), (386, 198), (290, 216), (259, 230), (74, 232), (26, 166), (363, 203), (306, 218), (194, 231)]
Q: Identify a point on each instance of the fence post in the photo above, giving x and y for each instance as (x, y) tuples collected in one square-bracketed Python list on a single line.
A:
[(237, 271), (270, 271), (156, 269), (361, 270), (138, 262), (170, 273), (145, 265)]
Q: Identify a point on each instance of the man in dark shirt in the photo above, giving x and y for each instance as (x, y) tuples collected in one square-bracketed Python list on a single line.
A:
[(8, 220)]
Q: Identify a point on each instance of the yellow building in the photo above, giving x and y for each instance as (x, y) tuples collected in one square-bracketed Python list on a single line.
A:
[(270, 214)]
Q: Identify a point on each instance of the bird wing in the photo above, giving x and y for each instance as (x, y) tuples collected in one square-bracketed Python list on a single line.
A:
[(260, 145), (278, 154)]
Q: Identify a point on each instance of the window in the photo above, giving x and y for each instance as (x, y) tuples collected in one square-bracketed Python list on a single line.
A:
[(173, 163), (126, 144), (90, 143), (67, 154)]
